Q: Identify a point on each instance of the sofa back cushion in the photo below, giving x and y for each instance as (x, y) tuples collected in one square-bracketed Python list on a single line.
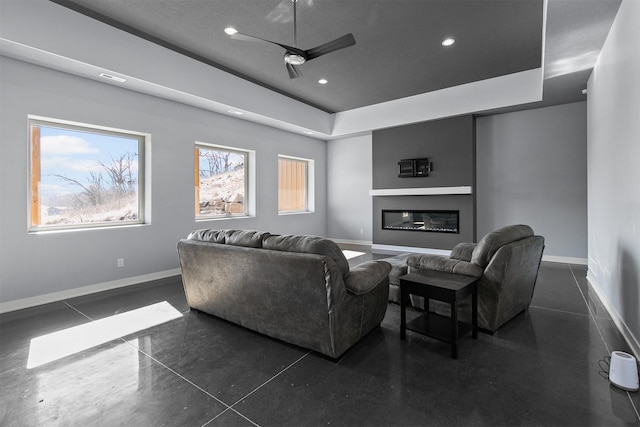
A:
[(247, 238), (311, 245), (207, 235), (251, 239), (262, 239), (493, 241)]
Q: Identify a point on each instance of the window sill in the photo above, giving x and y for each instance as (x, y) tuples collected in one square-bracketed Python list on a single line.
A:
[(223, 218), (82, 228), (295, 213)]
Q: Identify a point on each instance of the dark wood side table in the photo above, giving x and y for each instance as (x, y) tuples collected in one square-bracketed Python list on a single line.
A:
[(446, 287)]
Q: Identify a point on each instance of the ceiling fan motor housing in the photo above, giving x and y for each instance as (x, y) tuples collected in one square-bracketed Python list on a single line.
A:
[(294, 58)]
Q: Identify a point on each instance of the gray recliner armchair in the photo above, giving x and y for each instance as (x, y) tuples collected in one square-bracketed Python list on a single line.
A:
[(506, 261)]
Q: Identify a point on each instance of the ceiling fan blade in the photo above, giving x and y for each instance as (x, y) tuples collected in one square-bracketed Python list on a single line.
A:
[(293, 71), (293, 50), (248, 38), (339, 43)]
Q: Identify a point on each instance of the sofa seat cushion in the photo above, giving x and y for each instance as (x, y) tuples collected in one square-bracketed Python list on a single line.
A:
[(463, 251), (310, 245), (398, 268), (447, 265), (366, 276)]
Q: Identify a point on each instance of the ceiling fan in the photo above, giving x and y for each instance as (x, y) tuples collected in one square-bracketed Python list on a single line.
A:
[(294, 56)]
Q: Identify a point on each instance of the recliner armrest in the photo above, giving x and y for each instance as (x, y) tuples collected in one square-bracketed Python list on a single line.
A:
[(463, 251), (366, 276), (446, 265)]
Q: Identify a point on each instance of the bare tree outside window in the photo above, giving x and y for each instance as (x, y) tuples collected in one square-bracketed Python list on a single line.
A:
[(220, 181), (83, 176)]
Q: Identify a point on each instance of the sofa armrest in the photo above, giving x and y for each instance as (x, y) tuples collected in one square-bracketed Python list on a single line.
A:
[(463, 251), (446, 265), (366, 276)]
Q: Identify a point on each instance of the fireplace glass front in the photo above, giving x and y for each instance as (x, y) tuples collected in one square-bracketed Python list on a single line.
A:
[(430, 221)]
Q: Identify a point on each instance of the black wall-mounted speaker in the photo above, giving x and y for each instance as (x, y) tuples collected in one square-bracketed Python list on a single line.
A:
[(410, 168)]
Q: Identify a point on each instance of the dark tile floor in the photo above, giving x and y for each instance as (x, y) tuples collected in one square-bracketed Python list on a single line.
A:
[(540, 369)]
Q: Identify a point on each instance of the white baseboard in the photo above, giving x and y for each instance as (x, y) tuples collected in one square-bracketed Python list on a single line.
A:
[(401, 249), (85, 290), (564, 259), (633, 341), (443, 252), (351, 242)]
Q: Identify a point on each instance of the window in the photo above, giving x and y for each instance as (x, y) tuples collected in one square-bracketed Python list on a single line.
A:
[(295, 177), (84, 176), (220, 181)]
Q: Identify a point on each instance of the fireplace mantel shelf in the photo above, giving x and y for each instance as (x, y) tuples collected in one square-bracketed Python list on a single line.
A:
[(431, 191)]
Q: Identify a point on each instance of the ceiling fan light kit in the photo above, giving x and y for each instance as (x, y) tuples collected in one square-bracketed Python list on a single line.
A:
[(294, 59), (294, 56)]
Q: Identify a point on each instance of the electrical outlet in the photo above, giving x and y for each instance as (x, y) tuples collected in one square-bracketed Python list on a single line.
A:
[(361, 231), (120, 262)]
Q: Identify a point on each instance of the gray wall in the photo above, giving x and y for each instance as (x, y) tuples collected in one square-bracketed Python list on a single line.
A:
[(33, 265), (531, 169), (614, 173), (449, 144), (349, 204)]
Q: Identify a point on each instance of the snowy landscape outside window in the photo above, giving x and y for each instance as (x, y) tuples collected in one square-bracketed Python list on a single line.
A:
[(220, 181), (84, 176)]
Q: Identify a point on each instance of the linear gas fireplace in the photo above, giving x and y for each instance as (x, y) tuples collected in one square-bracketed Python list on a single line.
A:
[(430, 221)]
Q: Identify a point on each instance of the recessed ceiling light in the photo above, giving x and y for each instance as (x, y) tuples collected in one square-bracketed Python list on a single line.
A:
[(448, 41), (323, 81), (112, 77), (230, 31)]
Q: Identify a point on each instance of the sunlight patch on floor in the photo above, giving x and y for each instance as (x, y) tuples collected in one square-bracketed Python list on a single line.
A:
[(351, 254), (54, 346)]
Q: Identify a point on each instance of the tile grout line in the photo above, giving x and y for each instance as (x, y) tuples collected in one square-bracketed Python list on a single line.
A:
[(168, 369), (593, 317), (228, 407), (558, 311), (272, 378), (178, 375), (76, 310), (256, 389), (232, 410)]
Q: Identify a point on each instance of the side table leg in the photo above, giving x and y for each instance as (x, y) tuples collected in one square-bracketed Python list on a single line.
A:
[(454, 329), (427, 313), (403, 306), (474, 311)]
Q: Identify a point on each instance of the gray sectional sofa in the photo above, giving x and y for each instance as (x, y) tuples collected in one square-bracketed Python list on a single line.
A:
[(298, 289)]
